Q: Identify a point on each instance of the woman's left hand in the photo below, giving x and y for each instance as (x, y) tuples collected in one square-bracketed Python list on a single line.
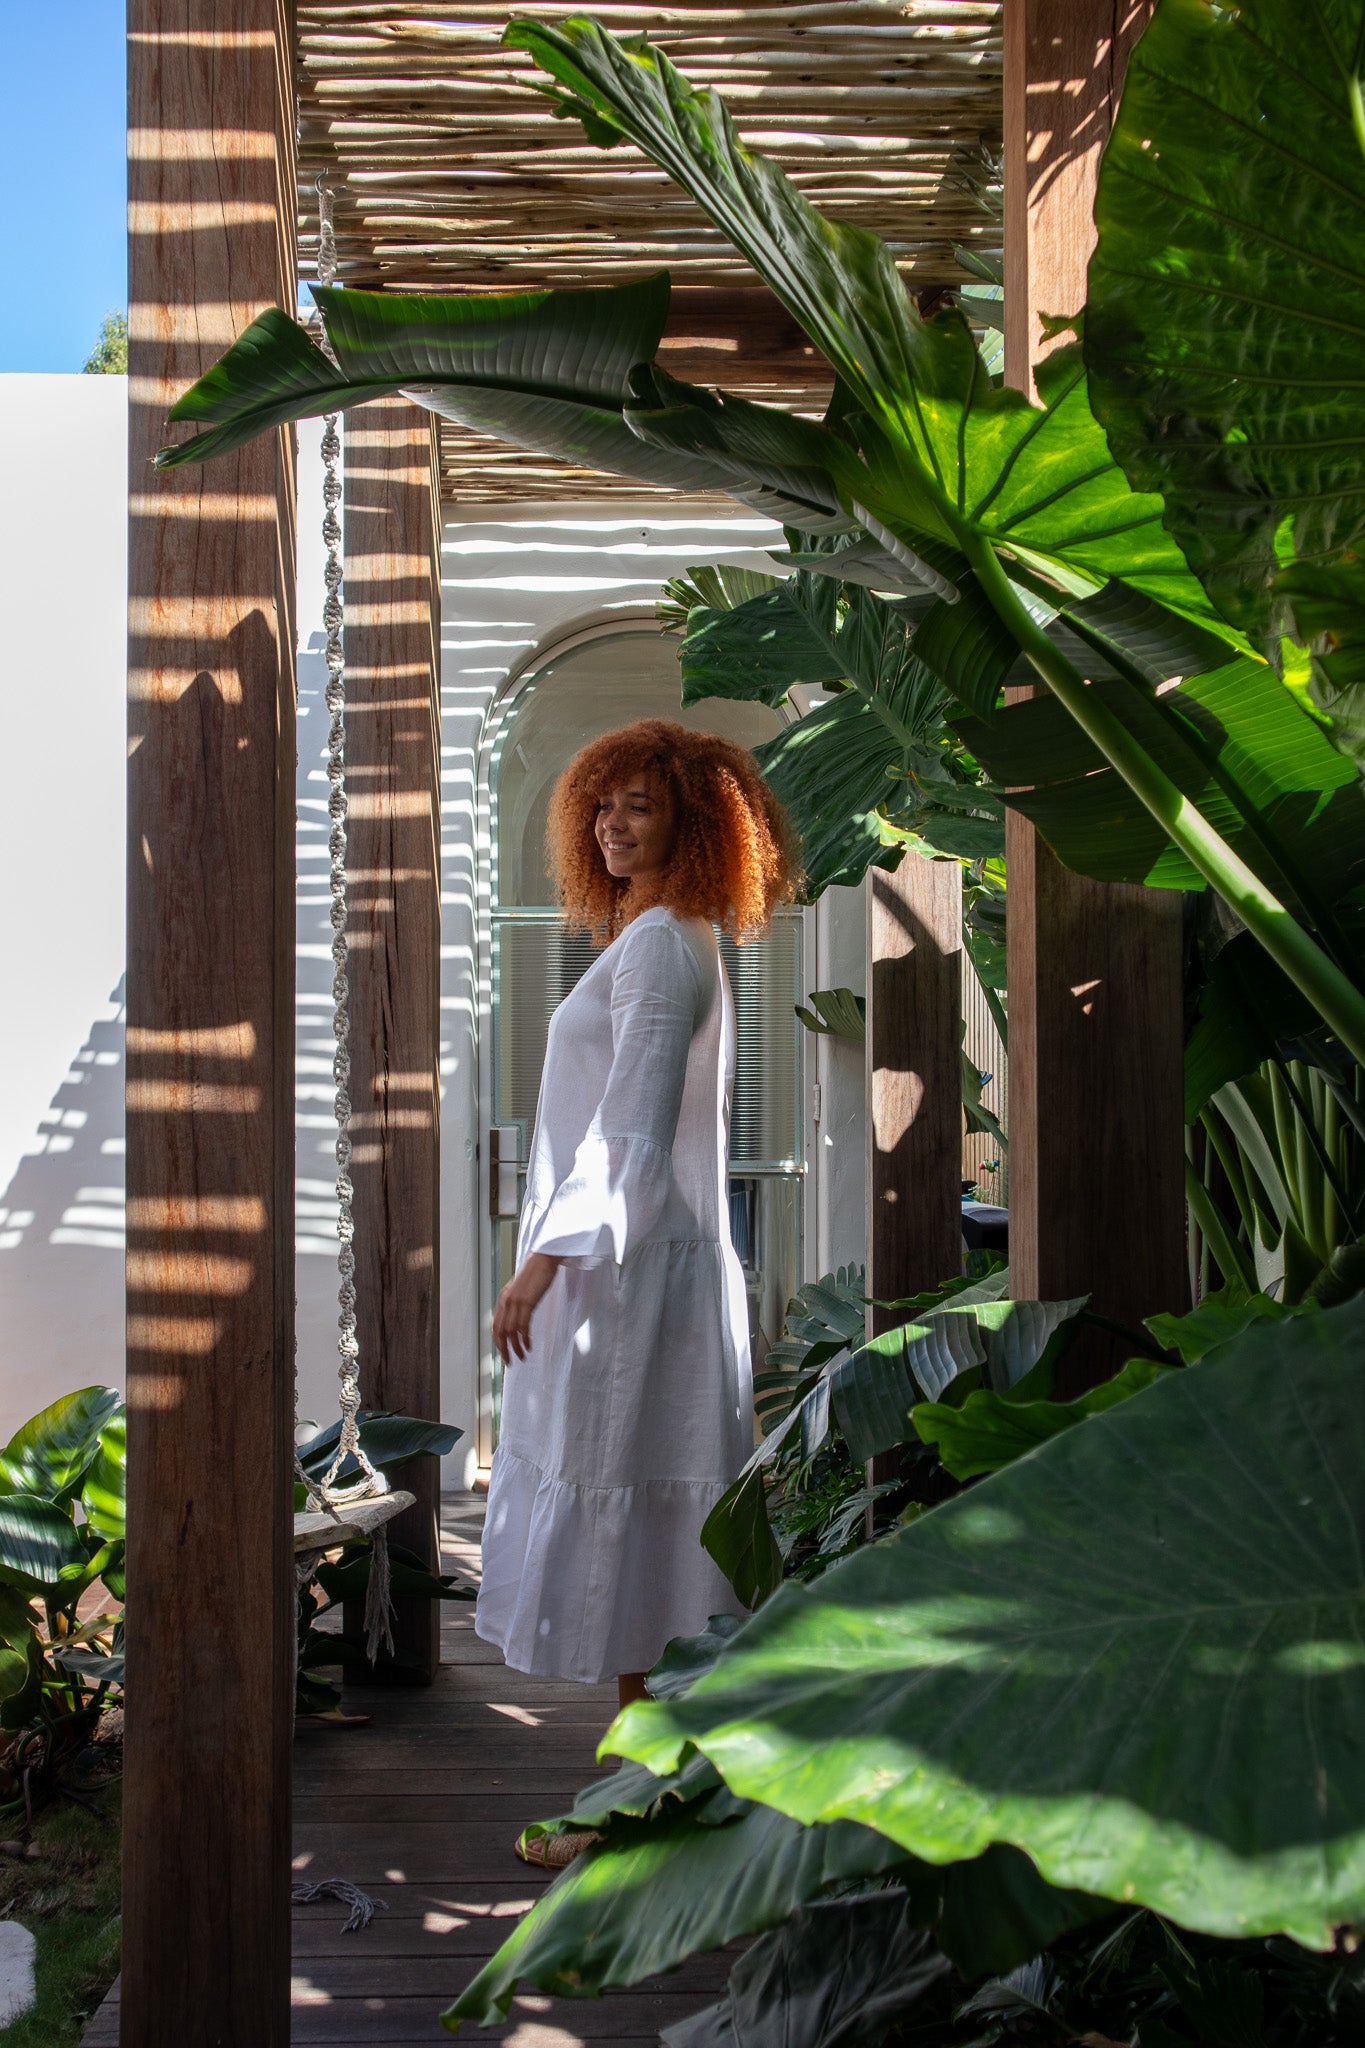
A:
[(516, 1304)]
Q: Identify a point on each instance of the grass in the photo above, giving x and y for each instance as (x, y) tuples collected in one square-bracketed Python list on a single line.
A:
[(69, 1897)]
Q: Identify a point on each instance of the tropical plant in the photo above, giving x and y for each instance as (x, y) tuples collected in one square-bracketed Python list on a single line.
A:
[(1020, 540), (875, 768), (829, 1402), (1151, 1604), (61, 1534)]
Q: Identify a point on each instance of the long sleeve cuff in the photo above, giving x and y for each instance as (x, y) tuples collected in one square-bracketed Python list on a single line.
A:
[(610, 1201)]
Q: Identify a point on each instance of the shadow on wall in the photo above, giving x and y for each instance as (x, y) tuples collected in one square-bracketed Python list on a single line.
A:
[(62, 1238)]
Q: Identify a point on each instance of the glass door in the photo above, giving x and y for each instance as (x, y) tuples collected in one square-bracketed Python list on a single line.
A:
[(534, 962)]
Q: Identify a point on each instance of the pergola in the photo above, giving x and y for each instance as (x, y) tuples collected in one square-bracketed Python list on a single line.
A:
[(447, 175)]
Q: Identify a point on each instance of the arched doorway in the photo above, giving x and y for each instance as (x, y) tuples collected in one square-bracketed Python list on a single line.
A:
[(567, 699)]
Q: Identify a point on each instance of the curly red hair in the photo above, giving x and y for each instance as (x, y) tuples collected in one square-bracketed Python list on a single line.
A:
[(732, 862)]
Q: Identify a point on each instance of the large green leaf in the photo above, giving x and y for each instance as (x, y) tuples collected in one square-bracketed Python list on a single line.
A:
[(49, 1455), (1153, 1687), (874, 1390), (387, 1440), (1326, 608), (857, 774), (549, 370), (738, 1535), (1221, 1315), (946, 450), (104, 1490), (569, 353), (989, 1430), (757, 650), (1225, 322), (38, 1540), (839, 1972), (659, 1890), (1238, 745)]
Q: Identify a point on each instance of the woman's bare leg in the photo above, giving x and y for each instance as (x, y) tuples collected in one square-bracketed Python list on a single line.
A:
[(630, 1686)]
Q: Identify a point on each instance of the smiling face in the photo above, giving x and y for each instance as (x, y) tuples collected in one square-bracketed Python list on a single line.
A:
[(637, 827)]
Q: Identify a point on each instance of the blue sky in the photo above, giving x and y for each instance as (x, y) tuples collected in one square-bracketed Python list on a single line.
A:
[(63, 259)]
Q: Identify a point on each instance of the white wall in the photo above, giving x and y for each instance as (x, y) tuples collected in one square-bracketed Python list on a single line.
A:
[(516, 580), (63, 469)]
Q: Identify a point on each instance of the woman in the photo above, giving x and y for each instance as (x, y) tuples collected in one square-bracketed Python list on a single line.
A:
[(626, 1404)]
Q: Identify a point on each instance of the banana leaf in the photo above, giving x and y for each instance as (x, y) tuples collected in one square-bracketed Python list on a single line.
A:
[(1090, 1655), (722, 586), (1223, 324), (871, 1393)]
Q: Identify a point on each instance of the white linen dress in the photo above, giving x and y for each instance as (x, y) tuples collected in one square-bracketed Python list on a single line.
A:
[(632, 1411)]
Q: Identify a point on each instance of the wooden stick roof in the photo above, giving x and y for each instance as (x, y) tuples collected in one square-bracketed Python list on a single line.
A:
[(450, 174)]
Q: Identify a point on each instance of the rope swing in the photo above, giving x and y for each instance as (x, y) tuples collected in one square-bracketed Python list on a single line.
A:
[(341, 1509)]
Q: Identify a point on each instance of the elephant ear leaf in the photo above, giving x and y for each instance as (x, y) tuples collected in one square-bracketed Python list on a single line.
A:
[(1229, 207), (1216, 1650)]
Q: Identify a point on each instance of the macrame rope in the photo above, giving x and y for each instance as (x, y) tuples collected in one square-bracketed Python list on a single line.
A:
[(331, 1492), (363, 1907)]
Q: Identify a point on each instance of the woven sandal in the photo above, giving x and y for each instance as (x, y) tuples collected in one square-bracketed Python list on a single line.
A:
[(554, 1852)]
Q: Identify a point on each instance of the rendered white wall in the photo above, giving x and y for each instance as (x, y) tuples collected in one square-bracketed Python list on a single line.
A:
[(63, 469)]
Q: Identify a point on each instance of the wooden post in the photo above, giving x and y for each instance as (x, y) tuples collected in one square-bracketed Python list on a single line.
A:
[(1096, 1105), (210, 1095), (393, 772), (914, 1080)]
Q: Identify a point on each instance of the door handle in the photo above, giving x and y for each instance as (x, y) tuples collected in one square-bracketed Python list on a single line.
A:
[(504, 1166)]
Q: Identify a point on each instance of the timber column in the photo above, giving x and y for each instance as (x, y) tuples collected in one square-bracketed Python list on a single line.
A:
[(914, 1082), (1094, 970), (210, 1102), (393, 773)]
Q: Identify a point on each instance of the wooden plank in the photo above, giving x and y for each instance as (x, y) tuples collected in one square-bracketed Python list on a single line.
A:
[(914, 1082), (1096, 1115), (393, 773), (210, 1094), (535, 2022)]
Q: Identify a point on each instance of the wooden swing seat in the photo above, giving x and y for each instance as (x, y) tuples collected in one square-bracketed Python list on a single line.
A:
[(349, 1524)]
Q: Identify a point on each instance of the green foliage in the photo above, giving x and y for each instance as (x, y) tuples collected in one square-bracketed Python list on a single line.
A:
[(1015, 517), (1222, 329), (836, 1013), (59, 1534), (990, 1430), (109, 357), (69, 1899), (1208, 1650), (862, 776), (842, 1402), (683, 1866), (839, 1972)]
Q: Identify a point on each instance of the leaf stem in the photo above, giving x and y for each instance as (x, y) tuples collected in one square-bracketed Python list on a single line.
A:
[(1332, 995)]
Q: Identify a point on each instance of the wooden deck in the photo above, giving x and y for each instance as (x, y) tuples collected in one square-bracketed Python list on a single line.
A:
[(421, 1809)]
